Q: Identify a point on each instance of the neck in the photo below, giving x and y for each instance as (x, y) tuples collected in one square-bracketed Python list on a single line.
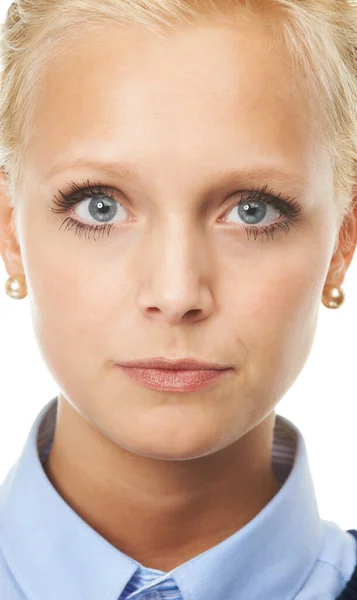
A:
[(161, 513)]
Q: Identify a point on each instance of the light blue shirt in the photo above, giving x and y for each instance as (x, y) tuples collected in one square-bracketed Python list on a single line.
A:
[(47, 552)]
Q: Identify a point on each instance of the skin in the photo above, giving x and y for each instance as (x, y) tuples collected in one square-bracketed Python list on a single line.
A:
[(164, 476)]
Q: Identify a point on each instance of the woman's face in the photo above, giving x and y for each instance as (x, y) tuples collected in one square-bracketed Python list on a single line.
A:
[(178, 275)]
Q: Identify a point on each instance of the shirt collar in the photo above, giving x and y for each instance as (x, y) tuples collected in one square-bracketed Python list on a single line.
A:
[(51, 550)]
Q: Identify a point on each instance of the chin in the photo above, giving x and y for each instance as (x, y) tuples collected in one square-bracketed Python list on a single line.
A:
[(182, 446)]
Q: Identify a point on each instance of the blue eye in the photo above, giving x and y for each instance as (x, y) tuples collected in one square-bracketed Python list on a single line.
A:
[(257, 204), (103, 203)]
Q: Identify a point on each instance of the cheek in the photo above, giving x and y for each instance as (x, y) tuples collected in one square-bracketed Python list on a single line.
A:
[(76, 306), (272, 309)]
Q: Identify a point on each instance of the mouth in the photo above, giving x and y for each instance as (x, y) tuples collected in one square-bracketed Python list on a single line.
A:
[(177, 380)]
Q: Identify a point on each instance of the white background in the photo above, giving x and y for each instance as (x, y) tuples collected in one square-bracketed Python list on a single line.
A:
[(322, 401)]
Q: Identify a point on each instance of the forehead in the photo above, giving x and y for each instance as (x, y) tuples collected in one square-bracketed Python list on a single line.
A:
[(129, 95)]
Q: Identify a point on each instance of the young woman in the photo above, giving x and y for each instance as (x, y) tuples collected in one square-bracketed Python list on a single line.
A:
[(178, 197)]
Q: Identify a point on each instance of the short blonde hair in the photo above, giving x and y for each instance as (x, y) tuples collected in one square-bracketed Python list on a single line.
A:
[(320, 37)]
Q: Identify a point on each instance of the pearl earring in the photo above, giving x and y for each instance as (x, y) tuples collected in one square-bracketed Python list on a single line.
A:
[(15, 287), (333, 296)]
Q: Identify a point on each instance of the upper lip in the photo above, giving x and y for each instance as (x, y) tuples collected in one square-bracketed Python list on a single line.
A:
[(161, 362)]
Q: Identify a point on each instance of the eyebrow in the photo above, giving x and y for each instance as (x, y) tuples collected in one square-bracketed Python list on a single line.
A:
[(296, 180), (111, 168)]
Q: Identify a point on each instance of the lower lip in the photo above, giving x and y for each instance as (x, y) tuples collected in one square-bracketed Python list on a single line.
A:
[(172, 380)]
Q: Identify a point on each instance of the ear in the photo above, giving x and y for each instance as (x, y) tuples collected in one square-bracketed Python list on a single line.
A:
[(9, 244), (345, 246)]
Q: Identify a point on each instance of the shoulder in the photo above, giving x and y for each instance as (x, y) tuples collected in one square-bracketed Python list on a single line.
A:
[(9, 588), (335, 564), (339, 550)]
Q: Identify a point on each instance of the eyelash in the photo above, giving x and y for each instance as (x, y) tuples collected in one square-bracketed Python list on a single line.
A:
[(287, 206)]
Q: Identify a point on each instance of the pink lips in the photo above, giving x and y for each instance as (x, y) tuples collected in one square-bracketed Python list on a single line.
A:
[(183, 380)]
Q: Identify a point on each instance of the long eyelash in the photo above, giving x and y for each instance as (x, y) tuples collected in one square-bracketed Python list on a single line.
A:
[(79, 193), (76, 193), (83, 227), (288, 206)]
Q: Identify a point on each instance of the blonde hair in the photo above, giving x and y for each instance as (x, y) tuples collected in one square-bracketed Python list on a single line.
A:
[(320, 37)]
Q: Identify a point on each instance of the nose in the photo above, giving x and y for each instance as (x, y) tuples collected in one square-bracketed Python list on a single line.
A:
[(177, 276)]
